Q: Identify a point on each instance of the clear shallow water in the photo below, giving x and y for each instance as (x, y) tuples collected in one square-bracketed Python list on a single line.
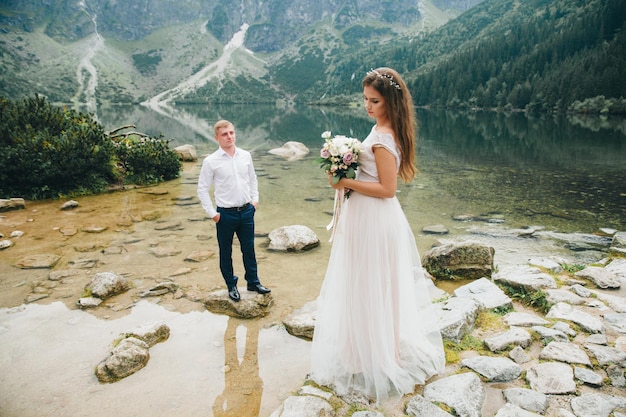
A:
[(564, 173), (49, 354)]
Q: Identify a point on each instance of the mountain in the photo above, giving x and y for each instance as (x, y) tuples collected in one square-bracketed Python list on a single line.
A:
[(535, 55), (131, 51)]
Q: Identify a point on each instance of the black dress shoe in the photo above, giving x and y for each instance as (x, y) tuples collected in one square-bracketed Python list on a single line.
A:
[(233, 293), (258, 288)]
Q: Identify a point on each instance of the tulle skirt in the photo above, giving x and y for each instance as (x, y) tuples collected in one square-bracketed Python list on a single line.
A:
[(375, 332)]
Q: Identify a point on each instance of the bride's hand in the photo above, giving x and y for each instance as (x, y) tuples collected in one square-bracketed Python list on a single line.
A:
[(336, 186)]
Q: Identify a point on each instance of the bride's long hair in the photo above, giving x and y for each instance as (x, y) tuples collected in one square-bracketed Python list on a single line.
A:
[(401, 114)]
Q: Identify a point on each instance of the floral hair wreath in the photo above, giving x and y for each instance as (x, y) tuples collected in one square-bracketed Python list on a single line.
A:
[(388, 78)]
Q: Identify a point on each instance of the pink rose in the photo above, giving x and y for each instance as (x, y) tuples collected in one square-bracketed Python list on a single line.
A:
[(324, 153), (348, 158)]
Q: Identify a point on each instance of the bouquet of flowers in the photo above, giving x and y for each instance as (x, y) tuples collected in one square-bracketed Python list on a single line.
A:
[(339, 157)]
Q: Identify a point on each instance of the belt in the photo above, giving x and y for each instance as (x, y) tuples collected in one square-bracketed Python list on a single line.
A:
[(245, 206)]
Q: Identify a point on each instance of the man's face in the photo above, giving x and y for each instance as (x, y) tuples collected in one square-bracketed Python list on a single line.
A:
[(225, 137)]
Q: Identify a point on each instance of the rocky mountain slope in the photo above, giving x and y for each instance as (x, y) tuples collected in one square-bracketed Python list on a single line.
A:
[(104, 51)]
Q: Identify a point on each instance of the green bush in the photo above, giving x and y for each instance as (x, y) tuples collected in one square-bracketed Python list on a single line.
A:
[(146, 160), (48, 151)]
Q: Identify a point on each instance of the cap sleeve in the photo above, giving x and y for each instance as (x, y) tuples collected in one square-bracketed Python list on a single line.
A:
[(387, 141)]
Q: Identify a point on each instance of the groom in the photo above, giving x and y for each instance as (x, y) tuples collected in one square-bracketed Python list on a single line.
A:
[(231, 171)]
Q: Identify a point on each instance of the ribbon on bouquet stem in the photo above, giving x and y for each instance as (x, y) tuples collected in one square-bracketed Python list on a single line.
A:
[(339, 194)]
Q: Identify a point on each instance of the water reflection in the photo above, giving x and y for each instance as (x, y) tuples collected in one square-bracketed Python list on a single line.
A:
[(48, 354), (243, 387)]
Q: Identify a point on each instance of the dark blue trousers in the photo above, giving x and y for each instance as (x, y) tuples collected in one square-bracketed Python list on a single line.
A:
[(241, 223)]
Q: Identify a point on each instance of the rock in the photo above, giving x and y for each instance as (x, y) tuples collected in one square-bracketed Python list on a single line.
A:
[(616, 321), (292, 239), (68, 231), (69, 205), (618, 267), (160, 289), (199, 256), (250, 306), (494, 369), (486, 293), (565, 311), (587, 376), (548, 334), (464, 260), (418, 406), (515, 336), (186, 153), (128, 357), (616, 375), (618, 244), (462, 392), (565, 352), (511, 410), (551, 378), (525, 277), (606, 355), (303, 406), (40, 261), (5, 243), (291, 151), (616, 303), (437, 229), (596, 405), (88, 302), (94, 229), (548, 264), (301, 323), (565, 296), (107, 284), (519, 355), (601, 277), (12, 204), (527, 399), (151, 333), (456, 317)]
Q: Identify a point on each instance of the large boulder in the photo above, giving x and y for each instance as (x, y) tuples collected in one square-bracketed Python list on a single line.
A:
[(128, 357), (459, 261), (291, 151), (186, 153), (292, 239)]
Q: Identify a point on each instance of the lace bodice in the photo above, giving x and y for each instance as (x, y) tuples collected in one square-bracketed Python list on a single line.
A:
[(367, 171)]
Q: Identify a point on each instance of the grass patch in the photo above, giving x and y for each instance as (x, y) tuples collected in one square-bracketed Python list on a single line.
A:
[(534, 299), (469, 342)]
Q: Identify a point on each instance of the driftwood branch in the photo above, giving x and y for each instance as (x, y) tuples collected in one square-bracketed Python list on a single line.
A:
[(120, 128)]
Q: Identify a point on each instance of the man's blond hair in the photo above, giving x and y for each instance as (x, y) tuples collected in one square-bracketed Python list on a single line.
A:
[(220, 125)]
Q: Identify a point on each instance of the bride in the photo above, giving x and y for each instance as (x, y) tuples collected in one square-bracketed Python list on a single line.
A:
[(375, 333)]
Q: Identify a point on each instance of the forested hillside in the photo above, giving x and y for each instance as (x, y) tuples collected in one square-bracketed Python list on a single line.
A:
[(537, 55)]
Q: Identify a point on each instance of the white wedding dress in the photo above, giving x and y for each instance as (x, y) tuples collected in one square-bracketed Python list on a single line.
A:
[(375, 332)]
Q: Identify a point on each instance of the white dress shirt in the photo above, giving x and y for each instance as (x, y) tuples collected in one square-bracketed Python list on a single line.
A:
[(234, 180)]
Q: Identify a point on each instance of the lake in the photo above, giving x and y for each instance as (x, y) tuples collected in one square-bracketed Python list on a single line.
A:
[(565, 173)]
